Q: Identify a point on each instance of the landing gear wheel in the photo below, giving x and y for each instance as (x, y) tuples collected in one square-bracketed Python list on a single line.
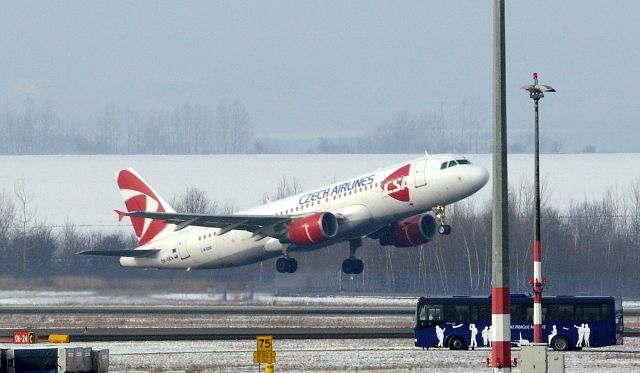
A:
[(286, 265), (281, 265), (444, 229), (352, 266), (292, 265)]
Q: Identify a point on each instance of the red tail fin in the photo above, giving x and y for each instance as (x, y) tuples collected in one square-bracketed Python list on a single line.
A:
[(139, 196)]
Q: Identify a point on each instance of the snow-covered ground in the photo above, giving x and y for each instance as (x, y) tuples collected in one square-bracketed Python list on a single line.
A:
[(82, 190), (97, 298), (379, 355), (100, 298)]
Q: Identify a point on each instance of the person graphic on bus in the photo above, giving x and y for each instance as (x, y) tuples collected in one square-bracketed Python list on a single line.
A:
[(440, 335), (486, 335), (580, 334), (474, 333), (553, 333), (587, 331)]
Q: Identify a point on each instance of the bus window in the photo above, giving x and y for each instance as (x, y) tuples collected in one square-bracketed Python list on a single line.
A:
[(588, 312), (545, 313), (606, 312), (562, 312), (481, 312), (516, 312), (429, 314), (457, 312)]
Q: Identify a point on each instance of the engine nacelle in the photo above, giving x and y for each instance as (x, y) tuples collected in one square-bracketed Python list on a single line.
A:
[(412, 231), (313, 229)]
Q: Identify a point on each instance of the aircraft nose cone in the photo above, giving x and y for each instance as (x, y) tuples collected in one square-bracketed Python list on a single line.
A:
[(478, 177), (484, 176)]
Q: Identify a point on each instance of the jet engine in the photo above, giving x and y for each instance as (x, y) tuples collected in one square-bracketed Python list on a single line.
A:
[(412, 231), (313, 229)]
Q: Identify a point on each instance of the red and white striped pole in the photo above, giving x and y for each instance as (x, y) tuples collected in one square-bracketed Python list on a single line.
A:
[(500, 308), (536, 92), (537, 250)]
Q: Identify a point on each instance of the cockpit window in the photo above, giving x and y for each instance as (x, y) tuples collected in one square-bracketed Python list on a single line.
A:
[(463, 161), (443, 165), (452, 163)]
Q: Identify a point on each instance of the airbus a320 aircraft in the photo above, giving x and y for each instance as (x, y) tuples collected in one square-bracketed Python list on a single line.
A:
[(391, 205)]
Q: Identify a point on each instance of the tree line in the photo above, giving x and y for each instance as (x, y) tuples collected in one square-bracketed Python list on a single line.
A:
[(590, 248), (228, 128)]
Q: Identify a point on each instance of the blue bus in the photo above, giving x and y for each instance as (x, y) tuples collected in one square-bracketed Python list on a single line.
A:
[(568, 322)]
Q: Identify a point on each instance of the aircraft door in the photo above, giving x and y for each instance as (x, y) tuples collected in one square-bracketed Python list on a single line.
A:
[(420, 173), (182, 244)]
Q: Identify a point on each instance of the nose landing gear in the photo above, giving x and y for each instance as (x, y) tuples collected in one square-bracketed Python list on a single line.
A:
[(440, 214), (353, 265)]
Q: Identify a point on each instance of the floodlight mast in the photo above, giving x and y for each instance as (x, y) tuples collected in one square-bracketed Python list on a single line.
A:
[(500, 298), (536, 92)]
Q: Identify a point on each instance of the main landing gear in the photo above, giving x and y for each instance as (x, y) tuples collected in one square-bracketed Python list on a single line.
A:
[(353, 265), (442, 227), (286, 265)]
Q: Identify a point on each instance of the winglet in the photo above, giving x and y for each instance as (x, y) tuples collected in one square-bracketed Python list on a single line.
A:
[(121, 214)]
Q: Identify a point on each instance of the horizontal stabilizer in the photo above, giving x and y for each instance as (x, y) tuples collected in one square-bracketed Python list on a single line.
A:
[(121, 214), (126, 253)]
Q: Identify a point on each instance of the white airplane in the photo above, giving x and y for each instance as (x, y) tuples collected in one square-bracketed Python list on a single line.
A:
[(390, 204)]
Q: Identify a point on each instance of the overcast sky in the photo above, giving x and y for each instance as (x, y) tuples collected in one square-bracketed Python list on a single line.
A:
[(307, 69)]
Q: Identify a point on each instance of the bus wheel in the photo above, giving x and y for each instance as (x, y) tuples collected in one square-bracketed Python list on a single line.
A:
[(456, 343), (560, 343)]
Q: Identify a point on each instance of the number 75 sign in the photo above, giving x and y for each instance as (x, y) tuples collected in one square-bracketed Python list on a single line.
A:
[(264, 343)]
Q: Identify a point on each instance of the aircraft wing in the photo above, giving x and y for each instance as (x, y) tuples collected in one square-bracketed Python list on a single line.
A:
[(267, 225), (127, 253)]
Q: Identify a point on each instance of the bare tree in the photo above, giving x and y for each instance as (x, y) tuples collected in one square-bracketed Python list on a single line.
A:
[(25, 215), (234, 127), (194, 201), (286, 187)]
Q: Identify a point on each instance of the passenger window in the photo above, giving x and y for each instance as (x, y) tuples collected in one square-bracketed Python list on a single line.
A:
[(458, 312), (588, 312), (545, 313), (443, 165), (606, 312), (564, 312), (431, 313), (484, 313), (516, 312)]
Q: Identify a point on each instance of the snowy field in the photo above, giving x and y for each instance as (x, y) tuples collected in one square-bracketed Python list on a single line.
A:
[(371, 355), (98, 298), (82, 190)]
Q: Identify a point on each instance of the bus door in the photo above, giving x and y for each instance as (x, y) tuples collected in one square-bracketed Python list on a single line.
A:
[(182, 244)]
